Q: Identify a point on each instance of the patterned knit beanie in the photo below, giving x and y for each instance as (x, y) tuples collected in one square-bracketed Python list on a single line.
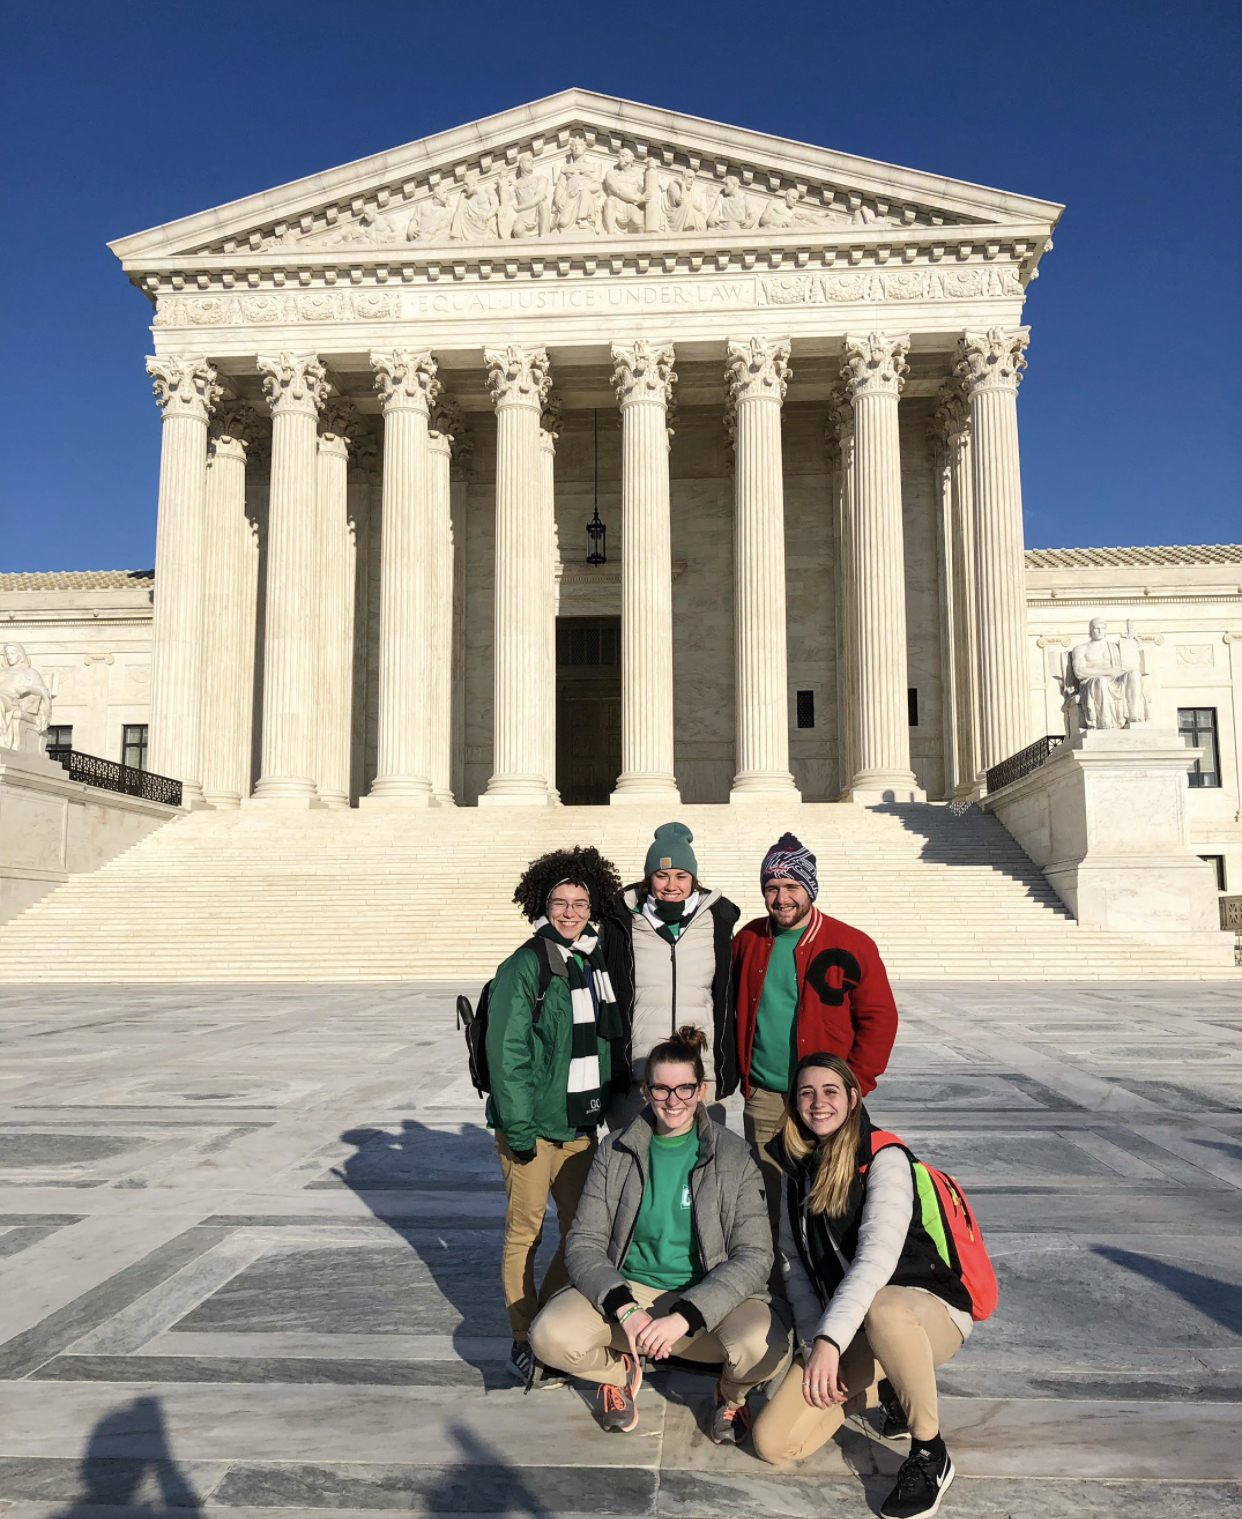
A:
[(790, 859), (671, 850)]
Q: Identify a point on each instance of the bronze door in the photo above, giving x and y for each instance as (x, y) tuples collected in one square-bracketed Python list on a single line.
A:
[(588, 709)]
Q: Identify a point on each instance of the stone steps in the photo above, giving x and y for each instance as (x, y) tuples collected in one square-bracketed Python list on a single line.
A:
[(265, 896)]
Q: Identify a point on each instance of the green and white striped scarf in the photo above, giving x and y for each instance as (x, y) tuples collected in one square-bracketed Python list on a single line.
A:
[(595, 1016)]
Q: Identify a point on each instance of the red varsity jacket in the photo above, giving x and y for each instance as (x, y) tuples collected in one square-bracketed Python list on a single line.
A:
[(845, 1004)]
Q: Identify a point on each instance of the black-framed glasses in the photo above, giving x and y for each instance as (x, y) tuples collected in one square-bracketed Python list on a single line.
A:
[(684, 1093)]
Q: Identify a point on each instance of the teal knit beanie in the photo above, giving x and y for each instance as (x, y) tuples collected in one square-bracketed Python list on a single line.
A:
[(671, 850)]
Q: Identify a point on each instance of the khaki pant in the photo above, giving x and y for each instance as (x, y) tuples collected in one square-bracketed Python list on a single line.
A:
[(575, 1337), (909, 1333), (557, 1168), (761, 1120)]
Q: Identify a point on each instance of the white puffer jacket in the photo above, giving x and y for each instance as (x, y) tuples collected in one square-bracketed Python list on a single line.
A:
[(673, 981)]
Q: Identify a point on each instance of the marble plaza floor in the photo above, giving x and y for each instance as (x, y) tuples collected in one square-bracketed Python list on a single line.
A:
[(249, 1245)]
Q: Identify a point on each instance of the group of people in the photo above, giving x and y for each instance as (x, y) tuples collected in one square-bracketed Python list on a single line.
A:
[(795, 1259)]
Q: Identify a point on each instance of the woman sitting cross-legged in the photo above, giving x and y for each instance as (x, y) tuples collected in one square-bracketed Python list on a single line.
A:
[(865, 1281), (669, 1254)]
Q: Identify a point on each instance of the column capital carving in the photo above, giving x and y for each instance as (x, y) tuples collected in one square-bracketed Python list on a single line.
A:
[(552, 417), (294, 382), (875, 363), (446, 416), (952, 413), (643, 371), (757, 369), (341, 419), (518, 376), (236, 425), (406, 380), (838, 423), (334, 443), (992, 360), (184, 385)]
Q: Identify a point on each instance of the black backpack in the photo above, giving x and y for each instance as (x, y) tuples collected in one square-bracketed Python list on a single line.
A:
[(474, 1019)]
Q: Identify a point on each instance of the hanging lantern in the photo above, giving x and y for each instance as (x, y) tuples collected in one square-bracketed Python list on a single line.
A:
[(597, 535), (596, 530)]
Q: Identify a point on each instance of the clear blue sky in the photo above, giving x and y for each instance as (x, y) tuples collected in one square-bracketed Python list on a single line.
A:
[(117, 116)]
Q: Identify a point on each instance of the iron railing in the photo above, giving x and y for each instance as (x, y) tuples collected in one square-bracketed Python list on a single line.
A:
[(109, 776), (1022, 763)]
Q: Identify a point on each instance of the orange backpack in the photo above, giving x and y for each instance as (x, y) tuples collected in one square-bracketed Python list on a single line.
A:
[(950, 1222)]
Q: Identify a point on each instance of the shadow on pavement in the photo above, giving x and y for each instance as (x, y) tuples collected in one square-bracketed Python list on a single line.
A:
[(1215, 1299), (418, 1158), (113, 1475)]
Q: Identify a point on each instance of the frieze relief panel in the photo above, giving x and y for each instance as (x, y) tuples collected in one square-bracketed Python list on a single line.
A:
[(586, 294), (280, 309), (584, 183)]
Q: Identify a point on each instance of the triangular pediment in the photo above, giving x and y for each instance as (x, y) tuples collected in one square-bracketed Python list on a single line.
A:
[(578, 167)]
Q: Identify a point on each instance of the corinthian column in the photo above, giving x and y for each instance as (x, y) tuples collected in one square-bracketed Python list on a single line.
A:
[(407, 385), (518, 379), (874, 370), (953, 416), (549, 431), (989, 367), (756, 375), (231, 553), (296, 387), (643, 378), (186, 391), (446, 422), (335, 580), (839, 435)]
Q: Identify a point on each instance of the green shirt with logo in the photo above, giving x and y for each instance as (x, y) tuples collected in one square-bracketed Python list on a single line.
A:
[(663, 1252), (775, 1050)]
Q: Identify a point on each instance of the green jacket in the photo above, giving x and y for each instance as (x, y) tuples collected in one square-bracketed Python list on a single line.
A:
[(530, 1064)]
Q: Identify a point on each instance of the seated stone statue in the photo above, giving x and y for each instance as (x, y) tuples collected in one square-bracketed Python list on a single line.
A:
[(1103, 680), (25, 702)]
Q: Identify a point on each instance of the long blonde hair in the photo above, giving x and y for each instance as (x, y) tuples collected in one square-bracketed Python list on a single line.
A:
[(838, 1152)]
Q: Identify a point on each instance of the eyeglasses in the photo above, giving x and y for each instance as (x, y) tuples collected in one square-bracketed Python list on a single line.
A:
[(570, 909), (660, 1093)]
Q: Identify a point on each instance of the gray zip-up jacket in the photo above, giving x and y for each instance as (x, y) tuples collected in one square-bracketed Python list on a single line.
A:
[(730, 1222)]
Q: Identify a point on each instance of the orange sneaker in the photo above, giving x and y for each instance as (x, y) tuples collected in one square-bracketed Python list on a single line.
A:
[(618, 1411), (729, 1426)]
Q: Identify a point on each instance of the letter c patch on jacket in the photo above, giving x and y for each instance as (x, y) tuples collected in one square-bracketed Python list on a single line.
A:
[(832, 973)]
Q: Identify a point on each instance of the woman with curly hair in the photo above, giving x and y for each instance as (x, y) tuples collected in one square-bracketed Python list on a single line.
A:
[(552, 1027)]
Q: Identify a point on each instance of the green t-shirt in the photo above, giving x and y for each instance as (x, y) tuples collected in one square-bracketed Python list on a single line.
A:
[(663, 1252), (775, 1050)]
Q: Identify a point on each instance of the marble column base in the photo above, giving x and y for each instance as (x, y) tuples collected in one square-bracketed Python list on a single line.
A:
[(764, 789), (222, 801), (290, 795), (642, 790), (517, 791), (871, 787), (398, 791), (336, 800)]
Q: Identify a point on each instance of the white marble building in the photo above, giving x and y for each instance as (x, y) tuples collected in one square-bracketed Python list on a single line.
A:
[(395, 393)]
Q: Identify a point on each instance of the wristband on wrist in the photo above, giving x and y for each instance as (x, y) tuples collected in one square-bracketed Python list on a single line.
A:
[(628, 1314)]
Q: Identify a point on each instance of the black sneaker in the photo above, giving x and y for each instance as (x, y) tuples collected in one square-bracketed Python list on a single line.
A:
[(921, 1483), (893, 1426), (521, 1362)]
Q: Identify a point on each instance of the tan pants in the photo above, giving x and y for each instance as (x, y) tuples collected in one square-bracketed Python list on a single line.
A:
[(557, 1168), (573, 1336), (909, 1333), (761, 1121)]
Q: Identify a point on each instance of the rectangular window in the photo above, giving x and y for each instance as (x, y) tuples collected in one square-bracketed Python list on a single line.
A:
[(806, 709), (912, 699), (1197, 726), (580, 642), (60, 736), (1217, 862), (134, 745)]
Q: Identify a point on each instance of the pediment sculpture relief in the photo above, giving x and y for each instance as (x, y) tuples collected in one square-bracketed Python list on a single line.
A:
[(583, 193)]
